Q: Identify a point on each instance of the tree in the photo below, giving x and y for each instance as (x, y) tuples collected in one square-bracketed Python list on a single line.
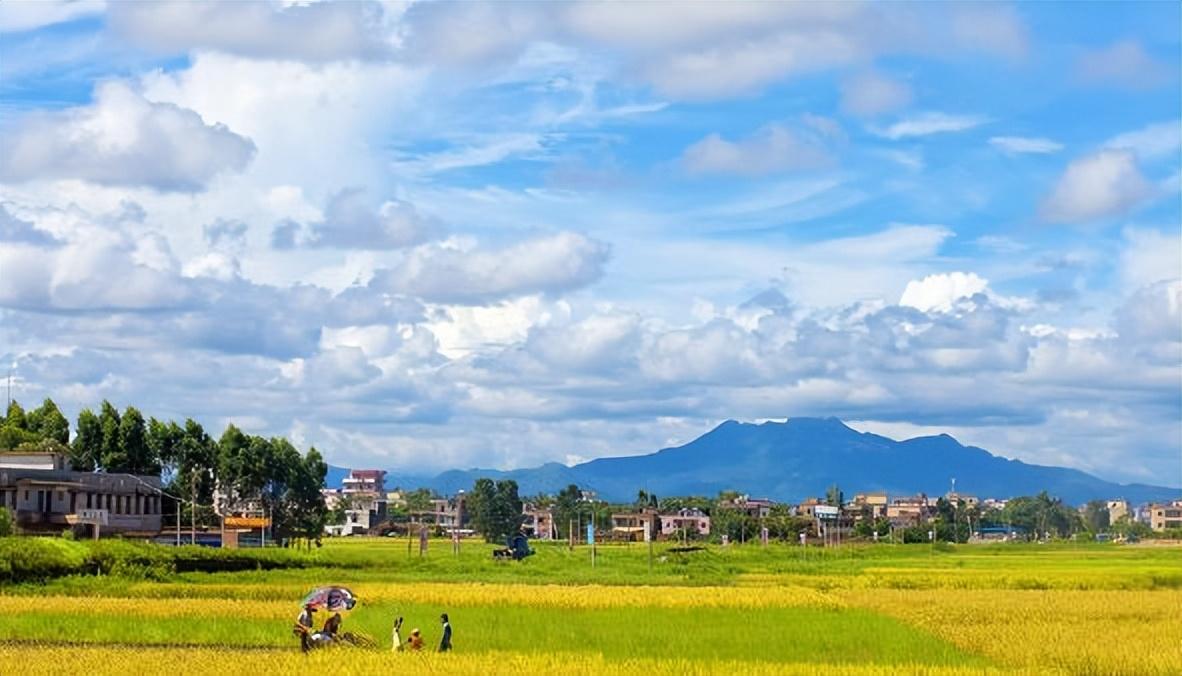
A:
[(87, 449), (7, 523), (834, 496), (566, 509), (47, 422), (419, 500), (164, 440), (303, 496), (1096, 517), (111, 457), (133, 441), (480, 504), (15, 417), (15, 429), (507, 516)]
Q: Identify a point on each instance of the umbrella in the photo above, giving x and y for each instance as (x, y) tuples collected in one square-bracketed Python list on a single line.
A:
[(332, 599)]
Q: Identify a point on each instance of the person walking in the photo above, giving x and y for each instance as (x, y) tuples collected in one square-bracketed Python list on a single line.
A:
[(445, 642)]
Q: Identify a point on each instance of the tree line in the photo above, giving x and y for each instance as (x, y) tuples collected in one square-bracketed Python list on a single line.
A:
[(267, 474)]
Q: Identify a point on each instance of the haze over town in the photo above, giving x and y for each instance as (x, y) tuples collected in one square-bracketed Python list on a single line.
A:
[(572, 233)]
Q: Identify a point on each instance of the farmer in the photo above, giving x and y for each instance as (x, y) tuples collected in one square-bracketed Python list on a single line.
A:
[(416, 640), (445, 642), (396, 635), (332, 625), (304, 622)]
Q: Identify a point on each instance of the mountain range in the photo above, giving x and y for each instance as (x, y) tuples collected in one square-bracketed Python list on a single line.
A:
[(800, 457)]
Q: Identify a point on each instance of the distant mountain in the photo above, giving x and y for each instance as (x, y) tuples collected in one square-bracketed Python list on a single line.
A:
[(802, 457)]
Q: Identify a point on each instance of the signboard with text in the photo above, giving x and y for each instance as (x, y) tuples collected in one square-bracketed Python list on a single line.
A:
[(247, 522)]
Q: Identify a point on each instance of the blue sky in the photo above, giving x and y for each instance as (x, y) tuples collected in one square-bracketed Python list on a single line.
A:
[(433, 235)]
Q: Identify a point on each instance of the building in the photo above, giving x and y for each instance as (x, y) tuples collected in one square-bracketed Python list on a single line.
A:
[(1163, 516), (689, 520), (876, 502), (1118, 509), (538, 522), (447, 513), (364, 494), (756, 508), (631, 525), (956, 498), (45, 496), (908, 512)]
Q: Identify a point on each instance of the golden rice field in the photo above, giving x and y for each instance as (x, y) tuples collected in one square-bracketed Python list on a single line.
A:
[(914, 611)]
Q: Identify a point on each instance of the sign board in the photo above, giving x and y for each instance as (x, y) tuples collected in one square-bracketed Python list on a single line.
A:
[(648, 536), (95, 516), (422, 541), (590, 533), (246, 522), (763, 536), (826, 511), (726, 540)]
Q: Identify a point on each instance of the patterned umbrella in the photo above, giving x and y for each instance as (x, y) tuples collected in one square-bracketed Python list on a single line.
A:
[(332, 599)]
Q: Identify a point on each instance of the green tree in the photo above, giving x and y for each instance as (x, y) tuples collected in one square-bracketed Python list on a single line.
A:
[(566, 509), (480, 504), (164, 440), (111, 457), (506, 512), (47, 422), (87, 449), (15, 417), (7, 523), (303, 496), (834, 496), (419, 500), (133, 440), (1096, 516)]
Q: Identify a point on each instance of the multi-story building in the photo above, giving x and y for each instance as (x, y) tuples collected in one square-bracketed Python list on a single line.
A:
[(1163, 516), (876, 502), (44, 495), (690, 520), (757, 508), (538, 522), (447, 513), (1118, 509), (908, 512), (364, 493), (632, 525)]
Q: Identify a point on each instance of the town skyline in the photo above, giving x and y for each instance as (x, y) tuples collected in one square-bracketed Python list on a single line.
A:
[(587, 231)]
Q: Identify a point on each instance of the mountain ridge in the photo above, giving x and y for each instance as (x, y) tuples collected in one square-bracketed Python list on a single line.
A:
[(798, 458)]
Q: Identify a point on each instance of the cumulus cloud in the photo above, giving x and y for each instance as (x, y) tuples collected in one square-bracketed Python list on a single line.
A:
[(1017, 145), (20, 231), (352, 222), (870, 94), (1105, 183), (1149, 257), (926, 124), (225, 233), (123, 139), (940, 292), (449, 274), (772, 149), (1124, 64), (314, 32), (1156, 141)]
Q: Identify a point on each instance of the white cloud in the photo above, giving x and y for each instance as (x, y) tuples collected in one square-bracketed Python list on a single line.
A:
[(773, 148), (991, 28), (1015, 145), (940, 292), (24, 16), (316, 32), (1155, 141), (351, 222), (1148, 257), (870, 94), (1125, 65), (1103, 184), (449, 274), (925, 124), (123, 139)]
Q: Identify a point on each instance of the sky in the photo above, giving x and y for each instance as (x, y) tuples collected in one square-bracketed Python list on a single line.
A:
[(427, 235)]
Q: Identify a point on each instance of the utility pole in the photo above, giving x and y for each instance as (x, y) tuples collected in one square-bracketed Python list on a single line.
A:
[(193, 510)]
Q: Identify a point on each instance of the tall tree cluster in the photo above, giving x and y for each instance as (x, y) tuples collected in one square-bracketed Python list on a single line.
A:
[(495, 509), (270, 473)]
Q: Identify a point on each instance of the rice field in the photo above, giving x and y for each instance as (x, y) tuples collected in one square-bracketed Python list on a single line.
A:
[(1002, 609)]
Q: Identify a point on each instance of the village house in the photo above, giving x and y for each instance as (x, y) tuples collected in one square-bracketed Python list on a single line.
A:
[(44, 495), (876, 502), (631, 525), (538, 522), (1163, 516), (756, 508), (911, 511), (1118, 509), (364, 495), (689, 520)]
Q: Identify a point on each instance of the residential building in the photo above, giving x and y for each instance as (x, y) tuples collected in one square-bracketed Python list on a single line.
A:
[(45, 496), (957, 498), (1163, 516), (876, 502), (757, 508), (912, 511), (538, 522), (690, 520), (447, 513), (631, 525), (365, 494), (1118, 509)]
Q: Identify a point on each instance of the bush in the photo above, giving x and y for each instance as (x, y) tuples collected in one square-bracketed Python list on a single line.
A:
[(7, 523)]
